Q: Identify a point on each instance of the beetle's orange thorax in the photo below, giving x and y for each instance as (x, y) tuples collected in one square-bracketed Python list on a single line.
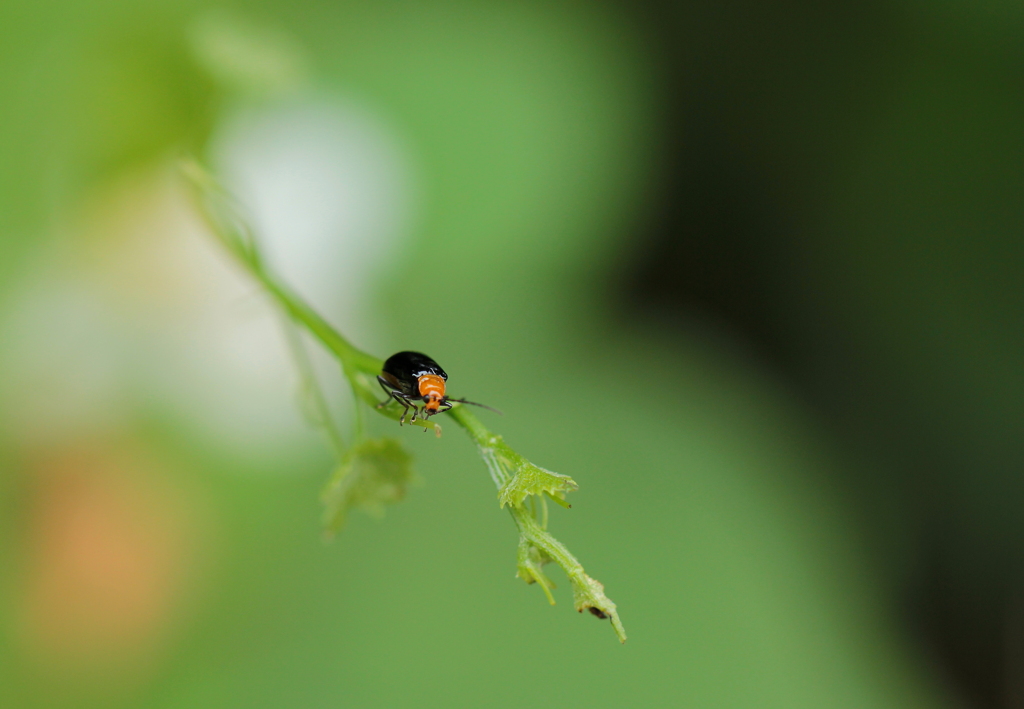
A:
[(432, 391)]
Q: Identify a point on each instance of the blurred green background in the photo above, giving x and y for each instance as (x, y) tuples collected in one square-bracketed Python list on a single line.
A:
[(750, 273)]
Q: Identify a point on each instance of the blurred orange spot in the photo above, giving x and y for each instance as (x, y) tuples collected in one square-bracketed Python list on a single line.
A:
[(105, 562)]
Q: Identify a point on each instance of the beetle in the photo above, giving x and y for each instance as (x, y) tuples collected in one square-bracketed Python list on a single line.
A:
[(412, 377)]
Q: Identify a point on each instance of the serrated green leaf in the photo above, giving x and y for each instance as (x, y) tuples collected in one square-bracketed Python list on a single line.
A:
[(529, 479)]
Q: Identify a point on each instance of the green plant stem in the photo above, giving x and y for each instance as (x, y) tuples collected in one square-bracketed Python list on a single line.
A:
[(351, 357), (515, 477), (499, 457)]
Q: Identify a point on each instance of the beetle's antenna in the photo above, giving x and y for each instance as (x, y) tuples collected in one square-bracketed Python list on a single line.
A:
[(482, 406)]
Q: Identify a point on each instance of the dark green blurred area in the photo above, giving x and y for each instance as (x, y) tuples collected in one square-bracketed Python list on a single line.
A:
[(750, 274)]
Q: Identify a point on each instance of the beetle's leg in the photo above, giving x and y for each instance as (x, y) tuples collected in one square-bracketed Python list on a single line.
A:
[(387, 390), (400, 398), (415, 410), (397, 396)]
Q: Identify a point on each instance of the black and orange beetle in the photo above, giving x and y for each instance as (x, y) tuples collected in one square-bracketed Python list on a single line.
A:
[(412, 377)]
